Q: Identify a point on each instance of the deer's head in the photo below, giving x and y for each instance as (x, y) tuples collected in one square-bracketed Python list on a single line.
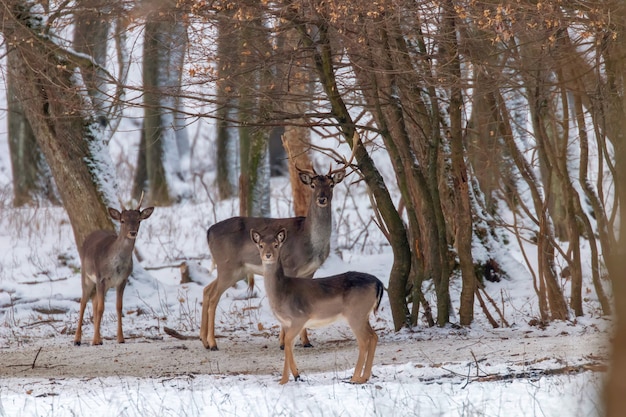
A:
[(322, 185), (268, 245), (130, 219)]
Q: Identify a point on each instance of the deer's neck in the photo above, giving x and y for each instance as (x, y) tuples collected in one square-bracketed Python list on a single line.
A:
[(274, 277), (318, 224), (122, 248)]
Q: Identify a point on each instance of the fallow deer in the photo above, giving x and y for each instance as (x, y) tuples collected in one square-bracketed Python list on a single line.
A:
[(106, 262), (236, 257), (297, 303)]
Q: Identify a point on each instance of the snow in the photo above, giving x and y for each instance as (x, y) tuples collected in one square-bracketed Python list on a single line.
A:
[(399, 392)]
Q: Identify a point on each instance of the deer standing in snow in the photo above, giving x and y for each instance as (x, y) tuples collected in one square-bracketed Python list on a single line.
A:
[(106, 262), (236, 257), (297, 303)]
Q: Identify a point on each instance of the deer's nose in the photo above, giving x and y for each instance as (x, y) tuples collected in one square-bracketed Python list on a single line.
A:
[(268, 256), (132, 234), (322, 201)]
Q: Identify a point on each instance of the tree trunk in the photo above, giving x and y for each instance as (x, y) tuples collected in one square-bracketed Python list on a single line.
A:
[(614, 109), (45, 84), (165, 41), (254, 86), (296, 138), (460, 175), (297, 143), (227, 158), (32, 182), (91, 32)]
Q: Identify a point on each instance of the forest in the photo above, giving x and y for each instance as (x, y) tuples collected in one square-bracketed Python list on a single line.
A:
[(495, 116)]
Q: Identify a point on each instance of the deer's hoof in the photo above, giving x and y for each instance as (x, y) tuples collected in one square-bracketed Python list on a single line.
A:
[(76, 342), (307, 345), (282, 347), (358, 381), (213, 348)]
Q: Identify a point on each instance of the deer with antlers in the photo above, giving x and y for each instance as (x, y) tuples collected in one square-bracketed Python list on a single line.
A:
[(106, 262), (236, 257), (297, 303)]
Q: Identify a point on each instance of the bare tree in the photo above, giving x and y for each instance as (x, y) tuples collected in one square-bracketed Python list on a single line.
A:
[(164, 142), (65, 127)]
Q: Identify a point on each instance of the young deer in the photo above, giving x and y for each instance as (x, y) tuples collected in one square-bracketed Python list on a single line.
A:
[(297, 303), (236, 257), (106, 262)]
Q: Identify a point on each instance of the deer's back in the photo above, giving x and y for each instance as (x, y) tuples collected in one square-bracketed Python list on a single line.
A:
[(229, 242), (323, 300)]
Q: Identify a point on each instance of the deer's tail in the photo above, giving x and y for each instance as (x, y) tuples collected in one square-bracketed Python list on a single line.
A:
[(380, 289)]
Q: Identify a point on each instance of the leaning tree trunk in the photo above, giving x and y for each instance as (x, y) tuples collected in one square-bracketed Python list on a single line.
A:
[(66, 131), (397, 234)]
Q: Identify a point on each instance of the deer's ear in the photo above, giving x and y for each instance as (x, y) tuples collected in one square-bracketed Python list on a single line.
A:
[(305, 177), (115, 215), (339, 176), (281, 235), (145, 213), (255, 236)]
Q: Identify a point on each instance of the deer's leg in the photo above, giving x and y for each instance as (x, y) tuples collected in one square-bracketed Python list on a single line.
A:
[(204, 318), (120, 297), (281, 338), (81, 313), (290, 363), (98, 308), (369, 361), (304, 337), (367, 339), (215, 291)]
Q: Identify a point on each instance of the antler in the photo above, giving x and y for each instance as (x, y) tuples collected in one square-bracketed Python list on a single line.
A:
[(121, 203), (140, 201), (355, 142), (308, 171)]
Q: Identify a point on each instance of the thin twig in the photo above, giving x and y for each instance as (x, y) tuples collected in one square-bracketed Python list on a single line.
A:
[(36, 356)]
